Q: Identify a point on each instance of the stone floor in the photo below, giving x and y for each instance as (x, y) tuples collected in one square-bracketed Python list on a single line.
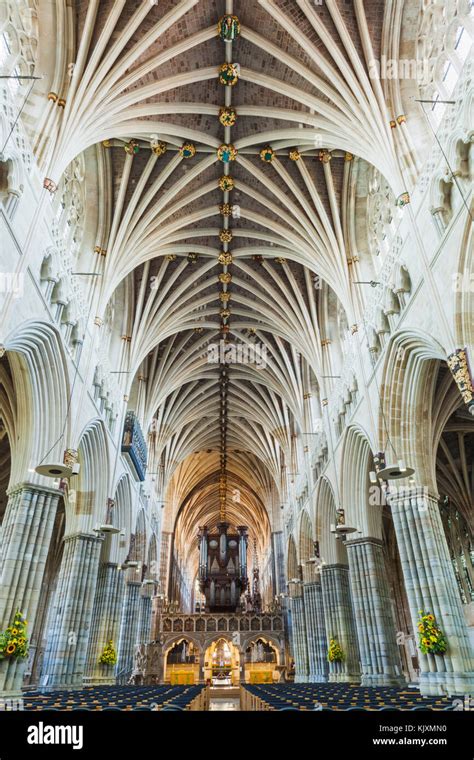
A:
[(224, 698)]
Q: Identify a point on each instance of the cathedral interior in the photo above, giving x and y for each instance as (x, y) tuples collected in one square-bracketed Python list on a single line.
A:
[(236, 355)]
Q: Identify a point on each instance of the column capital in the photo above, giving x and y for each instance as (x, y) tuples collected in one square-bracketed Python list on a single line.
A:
[(398, 494), (313, 582), (335, 566), (83, 536), (25, 485), (365, 540)]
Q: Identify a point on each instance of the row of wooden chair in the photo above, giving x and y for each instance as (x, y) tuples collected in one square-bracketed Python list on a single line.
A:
[(164, 697), (333, 696)]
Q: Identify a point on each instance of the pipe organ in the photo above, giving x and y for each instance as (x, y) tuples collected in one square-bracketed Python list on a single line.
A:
[(223, 567)]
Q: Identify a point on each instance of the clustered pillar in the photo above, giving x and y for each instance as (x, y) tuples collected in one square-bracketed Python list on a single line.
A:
[(339, 621), (128, 630), (431, 586), (96, 603), (69, 626), (376, 634), (105, 621), (26, 534), (144, 617), (315, 632), (300, 647), (351, 604)]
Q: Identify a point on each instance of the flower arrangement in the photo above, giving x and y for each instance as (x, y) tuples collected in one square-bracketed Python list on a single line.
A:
[(431, 638), (14, 641), (335, 653), (109, 655)]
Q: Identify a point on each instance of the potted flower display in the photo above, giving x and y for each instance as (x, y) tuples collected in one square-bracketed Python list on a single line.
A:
[(431, 638), (14, 641), (335, 653), (109, 655)]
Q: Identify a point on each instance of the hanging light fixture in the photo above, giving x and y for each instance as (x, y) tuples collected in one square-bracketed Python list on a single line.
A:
[(65, 469), (395, 471), (341, 529), (106, 528), (344, 530)]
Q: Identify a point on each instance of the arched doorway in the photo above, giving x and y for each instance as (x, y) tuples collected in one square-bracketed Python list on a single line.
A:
[(181, 662), (261, 660), (222, 663)]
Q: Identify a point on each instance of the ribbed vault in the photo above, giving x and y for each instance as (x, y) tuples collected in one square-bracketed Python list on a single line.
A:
[(199, 250)]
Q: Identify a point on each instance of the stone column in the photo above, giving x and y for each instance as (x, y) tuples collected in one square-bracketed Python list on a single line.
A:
[(300, 647), (339, 621), (202, 653), (380, 659), (128, 630), (315, 632), (70, 620), (431, 585), (24, 544), (144, 618), (105, 621), (278, 561), (242, 666), (155, 664)]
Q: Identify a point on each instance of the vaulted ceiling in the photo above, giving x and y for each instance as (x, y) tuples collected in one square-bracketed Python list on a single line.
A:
[(266, 271)]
